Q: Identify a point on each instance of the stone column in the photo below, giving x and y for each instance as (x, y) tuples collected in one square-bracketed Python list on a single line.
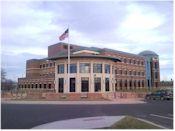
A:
[(78, 79), (91, 79)]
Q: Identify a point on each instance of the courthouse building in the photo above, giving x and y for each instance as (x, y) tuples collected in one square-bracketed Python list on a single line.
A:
[(92, 70)]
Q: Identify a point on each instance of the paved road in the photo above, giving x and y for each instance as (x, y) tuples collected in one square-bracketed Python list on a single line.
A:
[(25, 116)]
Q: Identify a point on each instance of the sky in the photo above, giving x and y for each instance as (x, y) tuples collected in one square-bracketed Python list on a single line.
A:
[(28, 28)]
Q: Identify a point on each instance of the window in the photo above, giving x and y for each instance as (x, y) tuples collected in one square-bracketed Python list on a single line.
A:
[(40, 86), (84, 84), (116, 71), (61, 69), (121, 84), (107, 68), (97, 84), (50, 64), (135, 83), (130, 84), (143, 83), (129, 61), (106, 84), (45, 86), (156, 75), (50, 86), (72, 84), (32, 85), (138, 73), (84, 67), (125, 72), (156, 65), (142, 63), (36, 86), (134, 61), (138, 83), (73, 68), (40, 66), (61, 85), (126, 84), (143, 73), (135, 73), (138, 62), (43, 65), (97, 68), (121, 72), (130, 73)]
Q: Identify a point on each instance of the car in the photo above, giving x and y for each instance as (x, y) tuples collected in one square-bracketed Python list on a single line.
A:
[(160, 94)]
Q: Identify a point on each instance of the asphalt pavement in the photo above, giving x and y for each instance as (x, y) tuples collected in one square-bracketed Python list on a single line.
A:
[(26, 116)]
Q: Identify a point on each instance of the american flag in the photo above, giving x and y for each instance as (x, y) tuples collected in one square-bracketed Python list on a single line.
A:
[(64, 35)]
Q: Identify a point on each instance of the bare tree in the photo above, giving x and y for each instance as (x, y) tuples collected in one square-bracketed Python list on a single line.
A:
[(6, 84)]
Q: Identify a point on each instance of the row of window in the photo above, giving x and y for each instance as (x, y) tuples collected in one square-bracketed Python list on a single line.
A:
[(130, 61), (84, 68), (125, 72), (130, 83), (49, 74), (45, 86), (47, 65), (84, 84)]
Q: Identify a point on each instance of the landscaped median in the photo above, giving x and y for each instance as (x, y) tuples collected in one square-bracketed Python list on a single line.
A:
[(129, 122)]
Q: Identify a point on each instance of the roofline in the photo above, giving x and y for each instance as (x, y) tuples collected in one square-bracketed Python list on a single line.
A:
[(87, 56)]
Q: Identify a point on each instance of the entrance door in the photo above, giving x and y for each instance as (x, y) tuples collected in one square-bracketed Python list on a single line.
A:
[(61, 85), (97, 84), (72, 84), (84, 84)]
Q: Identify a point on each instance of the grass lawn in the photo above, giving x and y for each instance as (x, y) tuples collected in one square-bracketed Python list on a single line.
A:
[(132, 123)]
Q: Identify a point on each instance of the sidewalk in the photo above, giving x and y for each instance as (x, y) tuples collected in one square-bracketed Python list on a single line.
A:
[(119, 101), (88, 123), (82, 123)]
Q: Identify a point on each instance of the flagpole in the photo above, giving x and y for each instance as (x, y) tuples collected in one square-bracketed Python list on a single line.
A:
[(68, 77)]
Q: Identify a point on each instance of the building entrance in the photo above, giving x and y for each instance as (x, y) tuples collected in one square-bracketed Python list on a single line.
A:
[(84, 84)]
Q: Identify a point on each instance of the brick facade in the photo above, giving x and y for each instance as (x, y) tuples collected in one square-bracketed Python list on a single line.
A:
[(129, 73)]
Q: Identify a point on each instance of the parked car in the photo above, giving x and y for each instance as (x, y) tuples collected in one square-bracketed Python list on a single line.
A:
[(160, 94)]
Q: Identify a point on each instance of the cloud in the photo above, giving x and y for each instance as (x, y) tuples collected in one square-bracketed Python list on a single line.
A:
[(29, 27)]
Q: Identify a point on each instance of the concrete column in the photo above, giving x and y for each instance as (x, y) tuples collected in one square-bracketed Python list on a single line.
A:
[(103, 77), (56, 78), (91, 79), (110, 79), (78, 79)]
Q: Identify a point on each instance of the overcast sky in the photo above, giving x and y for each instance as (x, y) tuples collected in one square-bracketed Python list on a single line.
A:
[(28, 28)]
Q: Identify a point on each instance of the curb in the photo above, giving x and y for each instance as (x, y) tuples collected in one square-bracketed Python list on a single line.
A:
[(73, 102)]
